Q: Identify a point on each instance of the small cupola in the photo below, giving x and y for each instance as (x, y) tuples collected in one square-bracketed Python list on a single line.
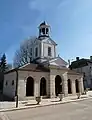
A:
[(44, 29)]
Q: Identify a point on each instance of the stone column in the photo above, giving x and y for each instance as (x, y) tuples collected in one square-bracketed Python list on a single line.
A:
[(64, 85), (48, 86), (21, 89), (36, 88), (81, 87), (52, 86), (73, 87)]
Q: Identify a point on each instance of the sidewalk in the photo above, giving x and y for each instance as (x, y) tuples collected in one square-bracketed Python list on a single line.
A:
[(10, 106)]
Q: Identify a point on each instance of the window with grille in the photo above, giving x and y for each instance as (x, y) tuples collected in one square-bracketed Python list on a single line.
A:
[(49, 51)]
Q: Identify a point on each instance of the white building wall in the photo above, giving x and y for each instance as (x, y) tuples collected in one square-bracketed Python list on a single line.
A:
[(88, 73), (42, 46), (45, 50), (9, 89)]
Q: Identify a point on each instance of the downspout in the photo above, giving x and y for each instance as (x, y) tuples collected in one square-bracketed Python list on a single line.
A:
[(16, 91)]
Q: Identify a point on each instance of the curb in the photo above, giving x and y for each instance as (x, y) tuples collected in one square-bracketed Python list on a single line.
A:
[(63, 102)]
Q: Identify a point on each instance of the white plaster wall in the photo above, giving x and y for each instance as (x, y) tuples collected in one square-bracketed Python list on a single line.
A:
[(88, 73), (45, 50), (42, 48), (35, 43), (9, 90), (85, 69)]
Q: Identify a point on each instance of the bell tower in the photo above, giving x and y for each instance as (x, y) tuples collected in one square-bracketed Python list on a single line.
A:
[(44, 30)]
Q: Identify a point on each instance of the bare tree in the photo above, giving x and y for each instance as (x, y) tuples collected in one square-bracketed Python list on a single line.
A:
[(23, 54)]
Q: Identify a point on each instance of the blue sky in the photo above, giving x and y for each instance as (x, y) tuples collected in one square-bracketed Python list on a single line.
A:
[(70, 21)]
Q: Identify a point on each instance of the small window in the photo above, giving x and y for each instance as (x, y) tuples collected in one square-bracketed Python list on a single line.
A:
[(36, 52), (31, 51), (49, 51), (12, 82), (6, 83)]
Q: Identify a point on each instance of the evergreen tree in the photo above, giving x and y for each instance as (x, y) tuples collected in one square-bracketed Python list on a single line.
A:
[(3, 64)]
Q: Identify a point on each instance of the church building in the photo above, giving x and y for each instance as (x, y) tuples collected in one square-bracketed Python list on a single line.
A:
[(48, 77)]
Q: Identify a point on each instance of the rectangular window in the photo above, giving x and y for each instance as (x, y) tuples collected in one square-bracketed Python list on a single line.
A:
[(36, 52), (49, 51)]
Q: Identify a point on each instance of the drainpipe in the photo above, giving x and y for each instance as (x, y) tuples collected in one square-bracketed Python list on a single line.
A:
[(16, 92)]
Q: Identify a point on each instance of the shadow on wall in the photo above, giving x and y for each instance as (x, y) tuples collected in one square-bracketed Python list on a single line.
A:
[(5, 98), (1, 81)]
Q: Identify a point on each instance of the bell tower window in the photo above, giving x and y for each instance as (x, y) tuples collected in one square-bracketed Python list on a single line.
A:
[(49, 51)]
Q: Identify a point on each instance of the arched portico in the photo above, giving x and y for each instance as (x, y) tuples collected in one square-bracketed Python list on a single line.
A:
[(58, 85), (30, 86), (43, 87), (77, 85), (69, 86)]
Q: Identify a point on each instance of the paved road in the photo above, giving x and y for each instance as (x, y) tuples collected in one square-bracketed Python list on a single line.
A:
[(71, 111)]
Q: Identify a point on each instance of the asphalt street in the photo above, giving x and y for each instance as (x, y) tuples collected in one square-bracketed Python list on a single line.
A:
[(81, 110)]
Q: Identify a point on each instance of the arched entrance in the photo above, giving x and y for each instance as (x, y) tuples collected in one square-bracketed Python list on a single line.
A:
[(58, 85), (30, 87), (43, 87), (69, 86), (77, 86)]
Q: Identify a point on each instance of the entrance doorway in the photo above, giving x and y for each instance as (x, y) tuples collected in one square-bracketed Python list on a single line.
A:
[(69, 86), (30, 87), (77, 86), (58, 85), (43, 87)]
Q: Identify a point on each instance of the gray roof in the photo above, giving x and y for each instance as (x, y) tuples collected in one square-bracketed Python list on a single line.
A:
[(30, 67), (58, 61)]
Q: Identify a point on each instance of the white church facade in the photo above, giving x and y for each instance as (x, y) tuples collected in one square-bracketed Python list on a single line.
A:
[(48, 77)]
